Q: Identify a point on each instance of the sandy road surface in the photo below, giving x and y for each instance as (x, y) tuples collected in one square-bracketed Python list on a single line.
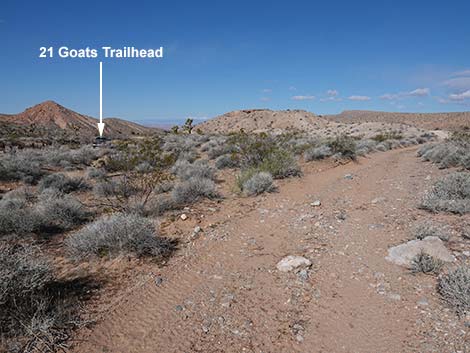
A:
[(223, 293)]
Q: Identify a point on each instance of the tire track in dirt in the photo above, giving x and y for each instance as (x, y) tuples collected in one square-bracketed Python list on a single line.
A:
[(228, 296)]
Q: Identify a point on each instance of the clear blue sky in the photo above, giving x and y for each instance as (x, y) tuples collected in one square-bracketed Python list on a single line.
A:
[(324, 57)]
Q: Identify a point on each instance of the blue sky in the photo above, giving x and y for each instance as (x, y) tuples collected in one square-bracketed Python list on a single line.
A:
[(219, 56)]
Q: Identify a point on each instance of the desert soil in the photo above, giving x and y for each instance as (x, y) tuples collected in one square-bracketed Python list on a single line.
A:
[(223, 293)]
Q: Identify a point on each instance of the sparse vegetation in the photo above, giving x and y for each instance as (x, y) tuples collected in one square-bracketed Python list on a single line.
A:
[(388, 135), (344, 145), (453, 152), (316, 153), (62, 183), (449, 194), (226, 161), (430, 229), (192, 190), (35, 309), (118, 234), (258, 183), (454, 287), (425, 263)]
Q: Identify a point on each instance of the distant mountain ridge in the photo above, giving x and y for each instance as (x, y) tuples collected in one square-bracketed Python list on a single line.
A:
[(428, 121), (50, 117)]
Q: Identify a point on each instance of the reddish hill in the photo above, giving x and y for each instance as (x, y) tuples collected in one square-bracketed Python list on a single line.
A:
[(50, 117)]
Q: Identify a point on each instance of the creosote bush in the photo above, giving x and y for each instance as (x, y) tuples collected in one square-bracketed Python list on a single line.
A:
[(118, 234), (449, 194), (454, 287), (344, 145)]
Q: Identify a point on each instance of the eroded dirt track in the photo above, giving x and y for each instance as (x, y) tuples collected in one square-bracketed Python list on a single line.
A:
[(223, 292)]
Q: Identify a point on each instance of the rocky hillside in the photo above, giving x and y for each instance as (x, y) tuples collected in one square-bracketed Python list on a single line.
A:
[(261, 120), (50, 119), (428, 121)]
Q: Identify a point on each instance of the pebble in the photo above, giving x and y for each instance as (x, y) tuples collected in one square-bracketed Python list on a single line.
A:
[(178, 308), (316, 203), (184, 217), (348, 176)]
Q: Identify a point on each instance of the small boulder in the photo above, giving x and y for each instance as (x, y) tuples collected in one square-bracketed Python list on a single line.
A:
[(184, 217), (316, 203), (403, 254), (292, 262)]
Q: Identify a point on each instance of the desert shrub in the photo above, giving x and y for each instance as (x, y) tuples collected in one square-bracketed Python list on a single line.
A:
[(159, 204), (430, 229), (17, 216), (258, 183), (450, 194), (365, 146), (130, 191), (226, 161), (192, 190), (382, 147), (344, 145), (118, 234), (280, 164), (58, 211), (95, 173), (454, 288), (62, 183), (388, 135), (316, 153), (199, 169), (220, 150), (453, 152), (18, 166), (36, 310), (189, 156), (130, 154), (425, 263), (465, 230)]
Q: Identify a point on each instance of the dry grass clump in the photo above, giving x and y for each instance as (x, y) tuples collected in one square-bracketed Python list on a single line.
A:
[(454, 287), (62, 183), (425, 263), (430, 229), (118, 234), (449, 194)]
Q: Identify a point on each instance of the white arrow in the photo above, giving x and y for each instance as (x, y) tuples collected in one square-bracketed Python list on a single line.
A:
[(101, 124)]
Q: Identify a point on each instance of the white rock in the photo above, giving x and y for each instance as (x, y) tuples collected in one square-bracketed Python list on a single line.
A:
[(316, 203), (184, 217), (292, 262), (403, 254)]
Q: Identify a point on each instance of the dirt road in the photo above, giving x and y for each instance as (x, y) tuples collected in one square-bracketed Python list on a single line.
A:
[(223, 293)]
